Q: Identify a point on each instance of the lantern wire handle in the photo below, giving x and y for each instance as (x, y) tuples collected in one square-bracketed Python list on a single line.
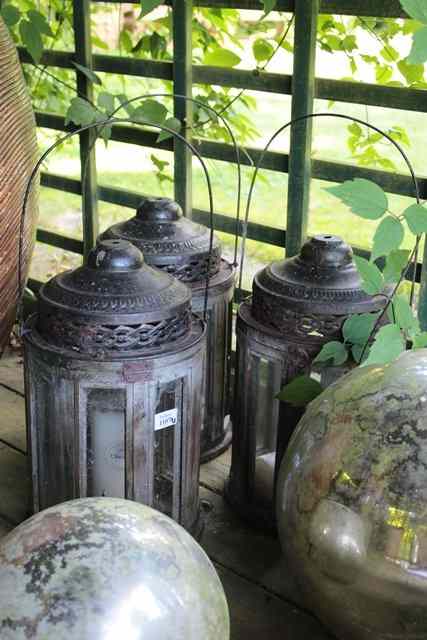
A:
[(310, 116), (107, 122), (236, 148)]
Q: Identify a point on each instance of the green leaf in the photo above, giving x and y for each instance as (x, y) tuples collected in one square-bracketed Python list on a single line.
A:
[(389, 53), (411, 72), (81, 112), (372, 278), (357, 328), (221, 58), (39, 21), (300, 391), (159, 164), (335, 351), (416, 9), (10, 14), (365, 198), (388, 236), (359, 350), (90, 75), (419, 341), (262, 50), (106, 102), (97, 42), (123, 100), (172, 123), (388, 344), (151, 111), (355, 129), (395, 264), (125, 41), (158, 45), (418, 53), (31, 39), (416, 217), (269, 5), (402, 315), (147, 6), (383, 74)]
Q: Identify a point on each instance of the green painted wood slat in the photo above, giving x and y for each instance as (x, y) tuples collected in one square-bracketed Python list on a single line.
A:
[(182, 19), (325, 89), (83, 55), (388, 9), (399, 184), (305, 27)]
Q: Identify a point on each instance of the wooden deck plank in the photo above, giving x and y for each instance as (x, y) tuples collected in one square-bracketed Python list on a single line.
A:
[(14, 486), (12, 420), (255, 614), (5, 527), (227, 539), (213, 474), (12, 371)]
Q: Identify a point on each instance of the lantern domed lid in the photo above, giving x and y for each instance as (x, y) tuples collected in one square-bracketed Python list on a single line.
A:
[(170, 241), (114, 301), (322, 279)]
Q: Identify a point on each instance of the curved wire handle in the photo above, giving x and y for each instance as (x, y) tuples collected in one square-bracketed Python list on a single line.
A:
[(311, 116), (106, 123), (236, 147)]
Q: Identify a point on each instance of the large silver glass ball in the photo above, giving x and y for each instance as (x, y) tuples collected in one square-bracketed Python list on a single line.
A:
[(352, 502), (107, 569)]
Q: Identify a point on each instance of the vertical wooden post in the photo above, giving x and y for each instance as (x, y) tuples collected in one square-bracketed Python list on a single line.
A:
[(182, 85), (422, 300), (303, 85), (83, 55)]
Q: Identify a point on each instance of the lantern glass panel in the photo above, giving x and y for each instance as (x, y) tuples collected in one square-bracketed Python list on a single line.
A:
[(266, 383), (106, 423), (166, 418)]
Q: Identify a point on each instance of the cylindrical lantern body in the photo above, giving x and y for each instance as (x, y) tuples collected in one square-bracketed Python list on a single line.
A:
[(297, 305), (114, 380), (182, 248)]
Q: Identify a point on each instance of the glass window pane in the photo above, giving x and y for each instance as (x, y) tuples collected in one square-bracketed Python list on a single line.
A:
[(166, 417), (106, 443)]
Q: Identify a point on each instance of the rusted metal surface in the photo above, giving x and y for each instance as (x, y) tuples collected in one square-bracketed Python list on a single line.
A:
[(18, 154)]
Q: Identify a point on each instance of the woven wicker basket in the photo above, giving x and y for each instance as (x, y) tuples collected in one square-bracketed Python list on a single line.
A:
[(18, 155)]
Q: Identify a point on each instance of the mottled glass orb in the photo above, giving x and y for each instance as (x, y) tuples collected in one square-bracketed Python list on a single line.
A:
[(107, 569), (352, 502)]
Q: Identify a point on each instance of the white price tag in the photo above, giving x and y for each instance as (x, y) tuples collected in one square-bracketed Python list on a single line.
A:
[(166, 419)]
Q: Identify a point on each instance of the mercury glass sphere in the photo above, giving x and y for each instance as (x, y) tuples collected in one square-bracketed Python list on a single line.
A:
[(352, 502), (107, 569)]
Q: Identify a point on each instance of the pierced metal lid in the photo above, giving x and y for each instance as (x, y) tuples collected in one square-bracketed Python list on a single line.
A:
[(114, 302), (322, 280), (170, 241)]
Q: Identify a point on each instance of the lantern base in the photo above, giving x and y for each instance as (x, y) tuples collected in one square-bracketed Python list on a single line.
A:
[(198, 527), (258, 517), (221, 446)]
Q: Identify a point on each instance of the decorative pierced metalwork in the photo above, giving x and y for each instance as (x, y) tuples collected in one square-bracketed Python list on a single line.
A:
[(169, 241), (102, 338)]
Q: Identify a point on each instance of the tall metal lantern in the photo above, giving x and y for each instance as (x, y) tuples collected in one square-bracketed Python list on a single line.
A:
[(114, 365), (297, 305), (181, 247)]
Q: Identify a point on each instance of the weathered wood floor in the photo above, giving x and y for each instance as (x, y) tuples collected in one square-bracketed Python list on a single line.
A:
[(262, 598)]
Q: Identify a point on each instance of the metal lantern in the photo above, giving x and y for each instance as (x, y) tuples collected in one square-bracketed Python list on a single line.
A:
[(297, 305), (182, 248), (114, 366)]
